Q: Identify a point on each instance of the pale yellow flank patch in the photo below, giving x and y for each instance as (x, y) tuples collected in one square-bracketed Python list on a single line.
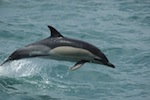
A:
[(71, 51)]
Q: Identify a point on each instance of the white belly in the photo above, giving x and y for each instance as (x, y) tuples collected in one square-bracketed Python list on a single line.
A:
[(70, 54)]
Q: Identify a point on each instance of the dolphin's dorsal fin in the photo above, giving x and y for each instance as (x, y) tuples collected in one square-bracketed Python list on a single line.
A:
[(54, 32)]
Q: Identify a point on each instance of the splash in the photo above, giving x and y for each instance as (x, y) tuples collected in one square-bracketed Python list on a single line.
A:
[(19, 68)]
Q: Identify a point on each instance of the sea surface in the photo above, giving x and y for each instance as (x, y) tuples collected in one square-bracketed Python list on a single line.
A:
[(119, 28)]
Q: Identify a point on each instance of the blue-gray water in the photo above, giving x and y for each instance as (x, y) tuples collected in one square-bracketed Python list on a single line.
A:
[(120, 28)]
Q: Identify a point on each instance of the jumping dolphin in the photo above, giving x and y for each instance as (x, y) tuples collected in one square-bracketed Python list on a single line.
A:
[(59, 47)]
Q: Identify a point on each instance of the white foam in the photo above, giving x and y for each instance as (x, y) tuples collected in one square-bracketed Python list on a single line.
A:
[(18, 68)]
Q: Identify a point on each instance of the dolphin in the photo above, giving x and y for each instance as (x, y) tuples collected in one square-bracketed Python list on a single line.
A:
[(58, 47)]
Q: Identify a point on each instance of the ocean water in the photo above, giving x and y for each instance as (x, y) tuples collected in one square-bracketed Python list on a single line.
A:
[(120, 28)]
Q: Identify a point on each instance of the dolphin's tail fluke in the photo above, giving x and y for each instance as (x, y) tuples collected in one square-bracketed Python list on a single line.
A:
[(5, 61)]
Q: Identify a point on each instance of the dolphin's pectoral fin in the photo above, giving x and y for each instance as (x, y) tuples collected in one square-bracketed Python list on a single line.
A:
[(78, 65)]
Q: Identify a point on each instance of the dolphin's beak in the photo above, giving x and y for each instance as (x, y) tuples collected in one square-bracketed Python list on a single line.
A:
[(110, 65), (105, 63)]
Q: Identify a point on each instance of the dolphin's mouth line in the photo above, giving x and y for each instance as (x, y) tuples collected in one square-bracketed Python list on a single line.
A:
[(98, 59)]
